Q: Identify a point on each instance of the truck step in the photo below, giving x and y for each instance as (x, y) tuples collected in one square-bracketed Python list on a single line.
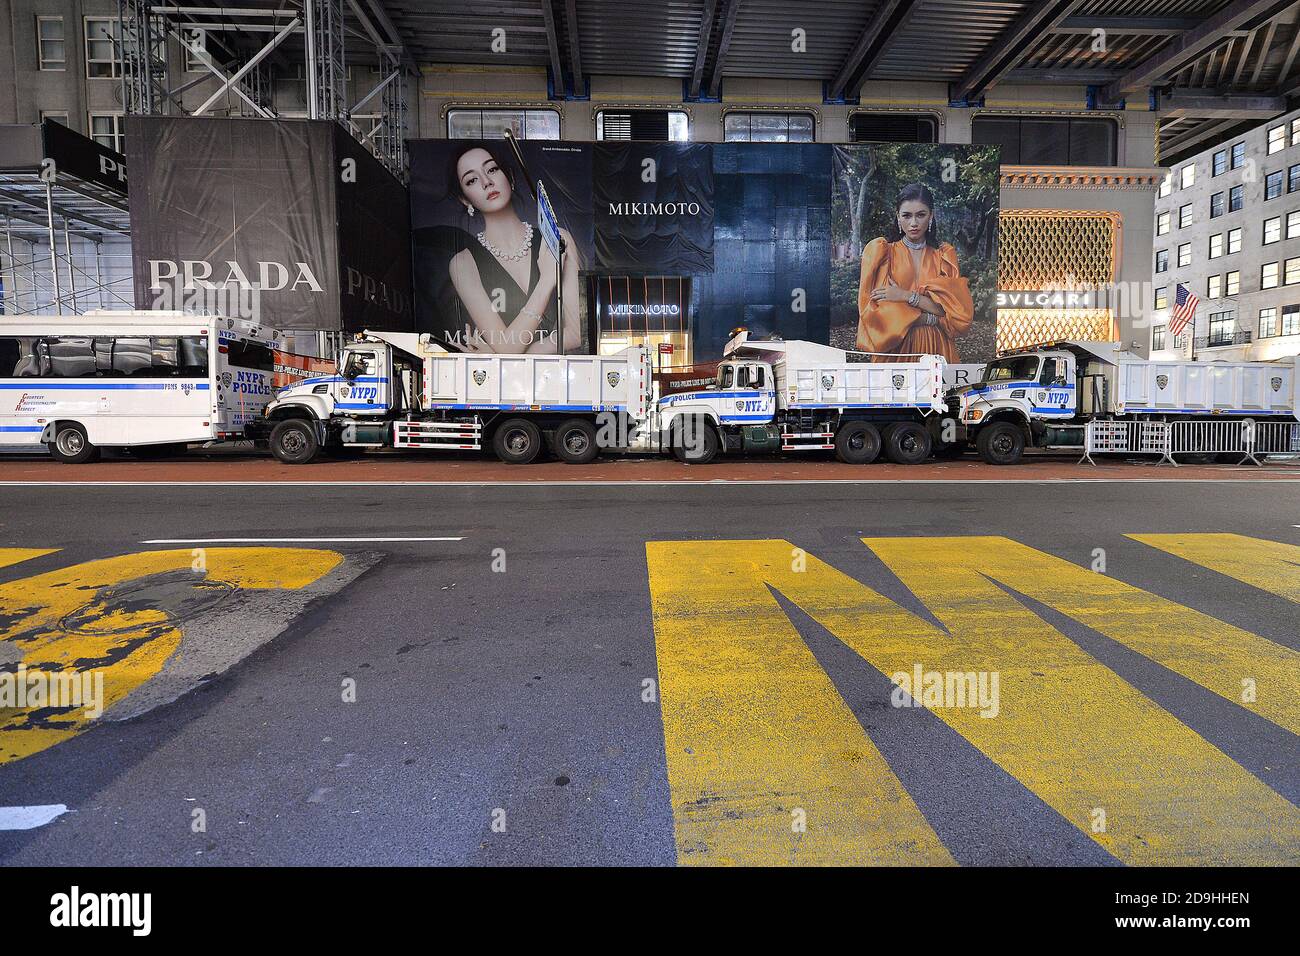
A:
[(439, 436)]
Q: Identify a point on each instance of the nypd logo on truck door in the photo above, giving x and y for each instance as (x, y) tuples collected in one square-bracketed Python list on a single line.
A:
[(480, 377)]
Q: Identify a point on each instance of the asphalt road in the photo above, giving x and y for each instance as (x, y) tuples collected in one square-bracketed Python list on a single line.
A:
[(511, 705)]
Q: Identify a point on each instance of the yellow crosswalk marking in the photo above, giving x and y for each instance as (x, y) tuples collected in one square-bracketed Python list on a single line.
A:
[(77, 620), (1069, 729), (1268, 565), (758, 740)]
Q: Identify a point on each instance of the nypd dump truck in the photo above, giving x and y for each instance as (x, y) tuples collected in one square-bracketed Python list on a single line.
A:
[(401, 390), (1045, 397), (153, 382)]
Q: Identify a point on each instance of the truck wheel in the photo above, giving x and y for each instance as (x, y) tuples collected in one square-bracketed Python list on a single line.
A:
[(1001, 443), (907, 443), (575, 442), (71, 445), (517, 442), (857, 443), (294, 441), (702, 447)]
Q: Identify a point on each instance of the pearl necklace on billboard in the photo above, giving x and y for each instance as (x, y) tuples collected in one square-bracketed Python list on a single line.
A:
[(509, 257), (913, 245)]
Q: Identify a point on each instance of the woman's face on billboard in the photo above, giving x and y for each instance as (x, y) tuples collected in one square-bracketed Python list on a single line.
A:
[(483, 183), (914, 219)]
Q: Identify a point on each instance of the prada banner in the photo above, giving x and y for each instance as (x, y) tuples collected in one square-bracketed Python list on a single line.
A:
[(289, 223)]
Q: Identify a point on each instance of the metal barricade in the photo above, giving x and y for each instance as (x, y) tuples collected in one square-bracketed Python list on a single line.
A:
[(1112, 437), (1272, 438), (1228, 437)]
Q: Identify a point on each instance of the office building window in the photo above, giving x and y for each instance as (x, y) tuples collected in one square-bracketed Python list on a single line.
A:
[(101, 48), (493, 124), (1221, 328), (1272, 230), (1293, 178), (1048, 140), (654, 125), (1162, 260), (194, 45), (1238, 155), (1162, 297), (1157, 338), (1267, 322), (1234, 240), (1188, 175), (1232, 283), (1184, 255), (1166, 186), (1162, 223), (1268, 276), (1293, 224), (55, 116), (1276, 139), (1236, 197), (1184, 216), (1273, 185), (1216, 205), (1291, 320), (1213, 286), (1220, 164), (768, 128), (1216, 245), (1291, 273), (50, 43), (106, 129)]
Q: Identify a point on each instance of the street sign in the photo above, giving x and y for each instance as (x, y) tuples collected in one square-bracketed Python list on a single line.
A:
[(665, 348), (547, 224)]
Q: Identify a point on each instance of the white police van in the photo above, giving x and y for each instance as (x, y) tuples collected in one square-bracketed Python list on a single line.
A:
[(153, 382)]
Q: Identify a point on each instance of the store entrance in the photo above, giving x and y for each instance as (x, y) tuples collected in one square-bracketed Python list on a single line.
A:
[(653, 311)]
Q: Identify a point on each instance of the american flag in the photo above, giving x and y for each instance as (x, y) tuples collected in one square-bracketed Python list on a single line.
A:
[(1185, 303)]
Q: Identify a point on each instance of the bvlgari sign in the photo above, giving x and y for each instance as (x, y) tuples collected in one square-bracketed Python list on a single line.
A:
[(1052, 299)]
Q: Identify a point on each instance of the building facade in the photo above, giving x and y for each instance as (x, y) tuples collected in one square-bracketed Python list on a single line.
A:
[(1227, 224)]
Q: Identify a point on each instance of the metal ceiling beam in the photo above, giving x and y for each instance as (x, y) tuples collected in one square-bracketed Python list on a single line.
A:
[(1127, 26), (1210, 104), (575, 53), (1062, 76), (553, 46), (1198, 134), (885, 23), (730, 10), (1191, 44), (702, 47), (381, 17), (1010, 48)]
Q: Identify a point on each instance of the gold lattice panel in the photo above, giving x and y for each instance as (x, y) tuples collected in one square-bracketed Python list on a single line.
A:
[(1020, 328), (1056, 248)]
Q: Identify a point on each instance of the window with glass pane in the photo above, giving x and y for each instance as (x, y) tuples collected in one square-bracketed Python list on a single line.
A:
[(1293, 224), (1293, 178), (101, 48), (1189, 175), (1048, 140), (1166, 185), (1184, 255), (1290, 320), (1272, 230), (1213, 286), (1232, 283), (1162, 297), (1221, 328), (1162, 260), (867, 127), (1295, 131), (1291, 274), (1238, 155), (1157, 338), (1220, 164), (50, 43), (1267, 322), (1276, 139), (1268, 276), (106, 129), (1184, 216), (1234, 240), (762, 127), (1216, 205), (492, 124), (1216, 245), (1236, 196), (1273, 185), (1162, 224)]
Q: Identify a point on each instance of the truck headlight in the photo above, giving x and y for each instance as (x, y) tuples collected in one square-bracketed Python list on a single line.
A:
[(973, 414)]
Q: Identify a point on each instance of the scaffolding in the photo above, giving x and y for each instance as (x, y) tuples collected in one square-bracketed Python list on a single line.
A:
[(245, 49)]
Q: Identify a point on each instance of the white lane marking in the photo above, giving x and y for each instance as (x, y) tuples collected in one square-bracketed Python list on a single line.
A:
[(29, 818), (287, 540)]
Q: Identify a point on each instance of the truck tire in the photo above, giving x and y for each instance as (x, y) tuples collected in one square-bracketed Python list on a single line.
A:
[(517, 441), (907, 443), (1001, 443), (575, 442), (699, 452), (294, 441), (857, 443), (71, 445)]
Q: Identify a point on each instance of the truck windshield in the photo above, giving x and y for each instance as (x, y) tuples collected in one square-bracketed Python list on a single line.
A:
[(1019, 369)]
